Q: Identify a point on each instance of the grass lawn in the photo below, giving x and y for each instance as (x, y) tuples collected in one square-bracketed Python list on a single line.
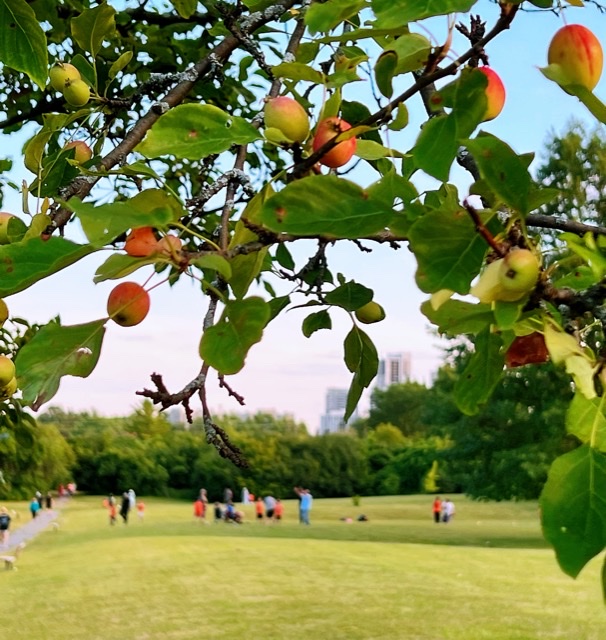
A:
[(486, 575)]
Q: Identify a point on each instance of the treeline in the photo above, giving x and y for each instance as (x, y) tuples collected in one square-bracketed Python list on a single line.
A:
[(413, 440)]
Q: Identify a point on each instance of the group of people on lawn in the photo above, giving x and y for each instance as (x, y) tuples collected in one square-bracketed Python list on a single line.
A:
[(443, 510), (128, 503)]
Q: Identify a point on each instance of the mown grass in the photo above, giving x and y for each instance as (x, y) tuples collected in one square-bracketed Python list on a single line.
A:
[(487, 575)]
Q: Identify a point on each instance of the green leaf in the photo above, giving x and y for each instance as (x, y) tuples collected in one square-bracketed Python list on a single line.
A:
[(325, 205), (22, 41), (93, 26), (214, 263), (413, 51), (119, 64), (298, 71), (284, 257), (449, 250), (391, 13), (57, 351), (326, 16), (436, 147), (103, 223), (481, 375), (585, 420), (573, 507), (316, 321), (385, 68), (119, 265), (506, 314), (225, 345), (24, 263), (371, 150), (194, 131), (349, 296), (185, 8), (362, 360), (503, 170), (455, 317), (401, 119)]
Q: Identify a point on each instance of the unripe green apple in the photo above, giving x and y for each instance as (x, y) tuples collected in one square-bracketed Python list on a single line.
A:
[(519, 273), (62, 73), (3, 312), (488, 287), (76, 93), (370, 313), (495, 93), (341, 153), (7, 370), (141, 242), (288, 116), (4, 220), (128, 304), (8, 390), (82, 152), (578, 53)]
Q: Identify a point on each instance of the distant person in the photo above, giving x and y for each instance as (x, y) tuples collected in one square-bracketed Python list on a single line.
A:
[(299, 494), (132, 496), (448, 510), (40, 499), (125, 507), (278, 510), (228, 495), (231, 514), (5, 523), (305, 505), (48, 500), (198, 509), (259, 508), (218, 512), (437, 509), (34, 507), (141, 510), (204, 498), (245, 496), (112, 510), (270, 505)]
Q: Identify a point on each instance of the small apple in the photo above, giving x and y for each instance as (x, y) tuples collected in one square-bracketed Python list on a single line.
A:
[(62, 73), (76, 93), (519, 274), (528, 349), (3, 312), (128, 304), (341, 153), (488, 287), (169, 244), (141, 242), (370, 313), (495, 93), (7, 370), (578, 53), (288, 116), (83, 153), (8, 390)]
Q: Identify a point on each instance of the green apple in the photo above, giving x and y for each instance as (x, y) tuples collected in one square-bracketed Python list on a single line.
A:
[(3, 312), (7, 370), (288, 116), (488, 287), (370, 313), (8, 390), (519, 274), (62, 73), (76, 93)]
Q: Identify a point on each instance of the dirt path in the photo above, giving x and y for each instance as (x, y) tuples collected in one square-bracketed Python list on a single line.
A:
[(34, 526)]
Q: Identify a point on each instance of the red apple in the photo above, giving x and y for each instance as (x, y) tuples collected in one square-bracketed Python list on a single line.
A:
[(495, 94), (141, 242), (83, 153), (288, 116), (578, 53), (341, 153), (128, 304)]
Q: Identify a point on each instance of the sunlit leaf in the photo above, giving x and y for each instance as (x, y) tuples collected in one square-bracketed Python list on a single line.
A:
[(396, 12), (93, 26), (585, 419)]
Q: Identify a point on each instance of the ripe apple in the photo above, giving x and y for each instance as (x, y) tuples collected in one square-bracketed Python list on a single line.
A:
[(7, 370), (370, 313), (76, 93), (83, 153), (341, 153), (529, 349), (288, 116), (141, 242), (495, 93), (169, 244), (128, 304), (519, 273), (578, 53), (62, 73)]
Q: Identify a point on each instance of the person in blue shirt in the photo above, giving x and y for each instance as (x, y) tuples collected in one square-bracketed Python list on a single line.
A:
[(306, 501), (34, 506)]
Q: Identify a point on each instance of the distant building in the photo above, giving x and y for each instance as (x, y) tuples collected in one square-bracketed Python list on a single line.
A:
[(393, 369), (332, 420)]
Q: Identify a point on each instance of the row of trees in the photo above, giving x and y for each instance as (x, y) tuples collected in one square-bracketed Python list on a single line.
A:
[(414, 439)]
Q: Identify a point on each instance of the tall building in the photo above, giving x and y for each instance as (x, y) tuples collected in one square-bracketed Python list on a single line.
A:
[(332, 420), (393, 369)]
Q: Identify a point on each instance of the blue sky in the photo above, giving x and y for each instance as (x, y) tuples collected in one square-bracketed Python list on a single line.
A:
[(287, 372)]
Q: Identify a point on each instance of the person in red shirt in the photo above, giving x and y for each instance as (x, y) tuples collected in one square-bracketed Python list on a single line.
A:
[(278, 510), (199, 510), (437, 509), (259, 508)]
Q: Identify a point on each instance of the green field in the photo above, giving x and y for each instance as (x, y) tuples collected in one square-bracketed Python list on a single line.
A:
[(487, 575)]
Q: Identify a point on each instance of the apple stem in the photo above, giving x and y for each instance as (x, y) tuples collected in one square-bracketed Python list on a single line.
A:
[(484, 231)]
